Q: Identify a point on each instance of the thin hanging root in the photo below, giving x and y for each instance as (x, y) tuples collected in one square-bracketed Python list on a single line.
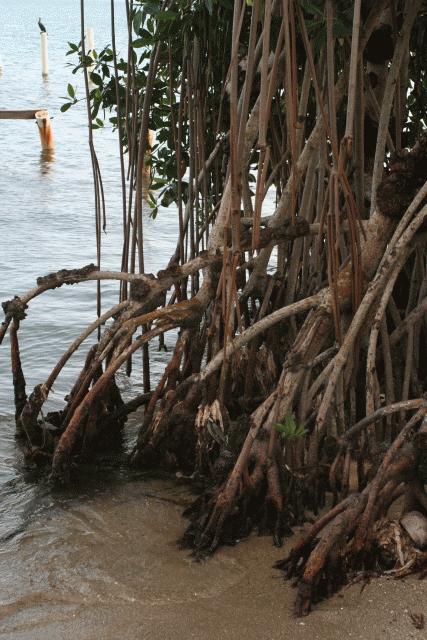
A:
[(169, 377)]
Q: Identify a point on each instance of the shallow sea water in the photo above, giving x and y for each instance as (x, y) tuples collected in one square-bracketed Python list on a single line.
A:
[(47, 213)]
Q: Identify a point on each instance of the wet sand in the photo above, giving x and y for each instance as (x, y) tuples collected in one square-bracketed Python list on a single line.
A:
[(107, 566)]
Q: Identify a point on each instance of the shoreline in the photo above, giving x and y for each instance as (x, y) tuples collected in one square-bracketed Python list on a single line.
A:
[(107, 565)]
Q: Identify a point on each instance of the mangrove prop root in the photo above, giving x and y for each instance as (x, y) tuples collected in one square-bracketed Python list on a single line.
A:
[(66, 276), (17, 373), (342, 540), (169, 440), (256, 498)]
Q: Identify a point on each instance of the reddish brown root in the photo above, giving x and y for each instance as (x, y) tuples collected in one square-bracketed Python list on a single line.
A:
[(17, 373), (168, 440), (257, 498), (350, 537), (100, 429)]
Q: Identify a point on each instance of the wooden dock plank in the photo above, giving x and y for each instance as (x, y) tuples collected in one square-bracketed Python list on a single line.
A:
[(18, 114)]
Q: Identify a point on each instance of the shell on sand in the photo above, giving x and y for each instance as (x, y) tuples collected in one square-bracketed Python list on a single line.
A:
[(415, 523)]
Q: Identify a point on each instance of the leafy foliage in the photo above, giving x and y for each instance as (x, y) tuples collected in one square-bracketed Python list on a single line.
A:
[(289, 428), (190, 35), (194, 41)]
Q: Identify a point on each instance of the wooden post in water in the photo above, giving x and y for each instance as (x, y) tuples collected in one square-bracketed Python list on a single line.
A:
[(90, 40), (41, 116), (146, 169), (45, 130), (44, 54), (90, 46)]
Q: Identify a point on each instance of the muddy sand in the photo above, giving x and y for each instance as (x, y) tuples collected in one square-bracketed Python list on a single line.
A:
[(107, 567)]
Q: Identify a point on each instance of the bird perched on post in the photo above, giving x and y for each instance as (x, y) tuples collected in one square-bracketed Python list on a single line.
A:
[(41, 26)]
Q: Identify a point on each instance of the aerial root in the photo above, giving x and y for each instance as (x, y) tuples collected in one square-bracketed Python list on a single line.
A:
[(254, 497), (348, 538)]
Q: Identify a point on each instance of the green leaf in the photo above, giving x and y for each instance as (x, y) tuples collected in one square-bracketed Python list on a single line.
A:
[(65, 107), (138, 21), (140, 42), (71, 91), (158, 183), (166, 15), (150, 200), (289, 428), (151, 8), (96, 78), (95, 110)]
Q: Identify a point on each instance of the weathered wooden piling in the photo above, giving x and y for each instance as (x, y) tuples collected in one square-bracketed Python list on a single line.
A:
[(41, 116), (90, 46), (45, 129), (44, 54)]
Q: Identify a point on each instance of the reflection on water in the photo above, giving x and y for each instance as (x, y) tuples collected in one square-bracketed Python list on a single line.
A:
[(47, 157)]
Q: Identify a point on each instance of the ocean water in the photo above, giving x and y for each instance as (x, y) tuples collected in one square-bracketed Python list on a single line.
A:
[(47, 219)]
